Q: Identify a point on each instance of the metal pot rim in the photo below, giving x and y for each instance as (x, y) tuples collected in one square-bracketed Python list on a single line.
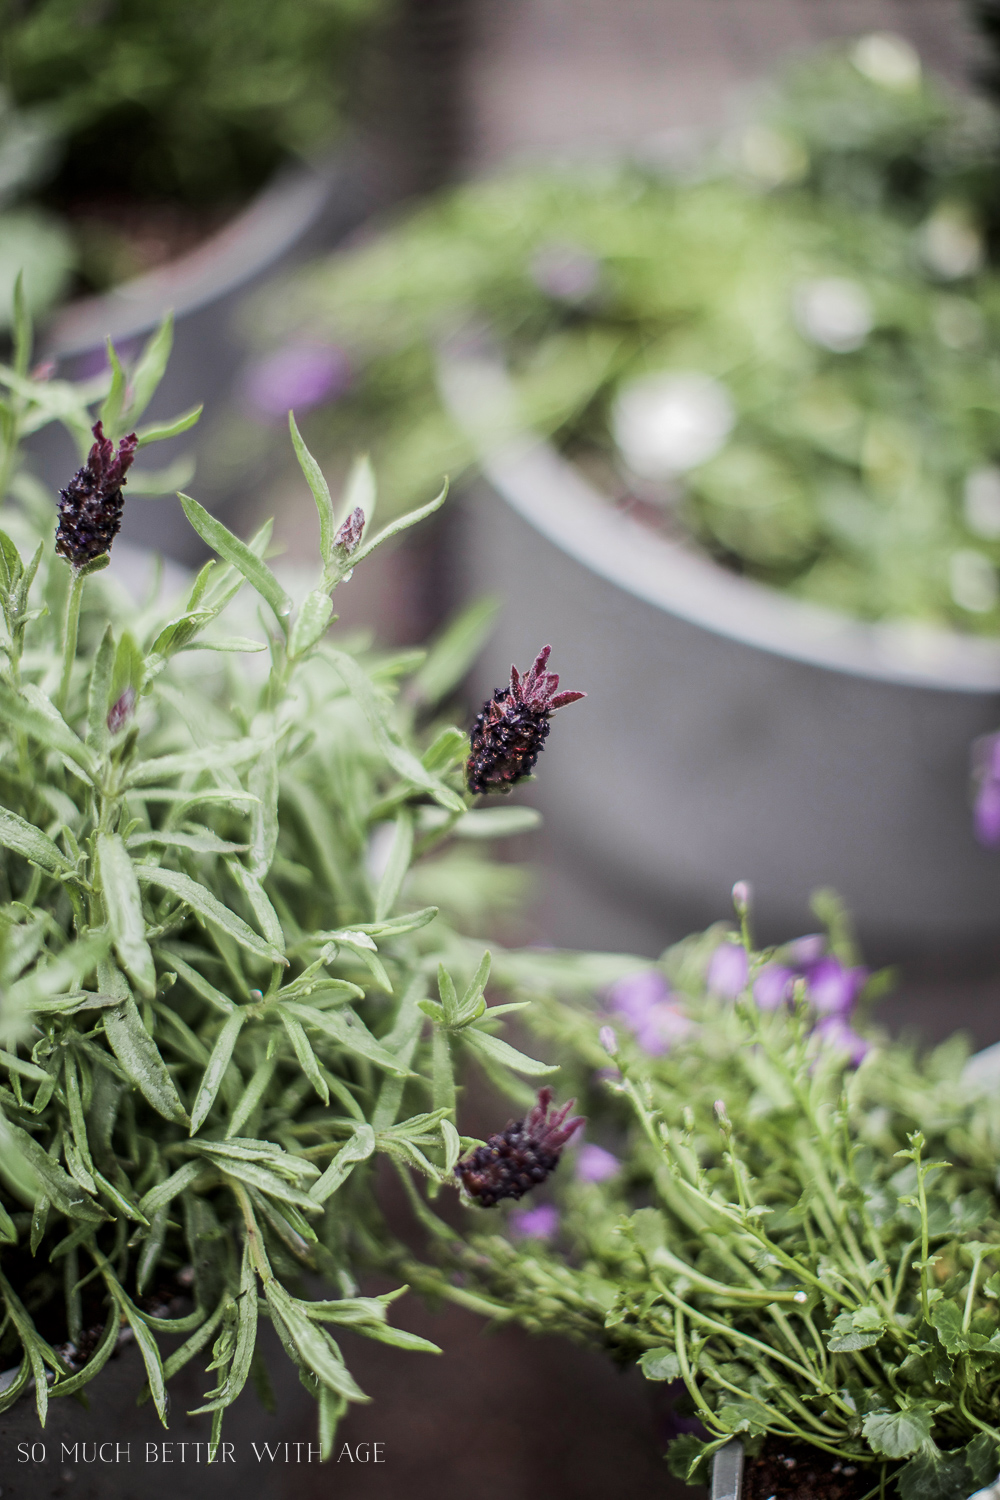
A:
[(555, 498)]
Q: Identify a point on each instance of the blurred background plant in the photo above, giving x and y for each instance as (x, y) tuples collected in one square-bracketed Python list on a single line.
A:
[(779, 347), (188, 110)]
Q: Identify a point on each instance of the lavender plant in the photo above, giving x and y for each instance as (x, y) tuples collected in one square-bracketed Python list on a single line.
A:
[(213, 974), (779, 1210)]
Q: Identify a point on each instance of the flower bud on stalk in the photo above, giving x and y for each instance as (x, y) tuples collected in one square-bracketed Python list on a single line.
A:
[(510, 731), (91, 505)]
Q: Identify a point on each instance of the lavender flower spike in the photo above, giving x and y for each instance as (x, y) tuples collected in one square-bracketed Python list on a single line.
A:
[(91, 505), (512, 1163), (511, 729)]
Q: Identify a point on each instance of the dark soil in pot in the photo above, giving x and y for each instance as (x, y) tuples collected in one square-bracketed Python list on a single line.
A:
[(792, 1471)]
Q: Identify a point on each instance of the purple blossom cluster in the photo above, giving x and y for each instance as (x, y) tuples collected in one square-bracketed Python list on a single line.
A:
[(986, 808), (650, 1010)]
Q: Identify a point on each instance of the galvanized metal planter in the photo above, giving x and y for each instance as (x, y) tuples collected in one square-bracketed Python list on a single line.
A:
[(731, 730)]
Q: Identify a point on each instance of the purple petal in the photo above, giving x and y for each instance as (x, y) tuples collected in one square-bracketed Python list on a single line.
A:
[(635, 995), (773, 986), (803, 952), (728, 971), (299, 376), (835, 1034), (594, 1164), (541, 1223), (660, 1027), (834, 989), (986, 814)]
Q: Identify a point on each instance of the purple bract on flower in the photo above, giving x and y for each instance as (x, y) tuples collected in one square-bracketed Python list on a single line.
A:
[(594, 1164), (728, 971), (645, 1003), (297, 377), (541, 1223), (832, 988)]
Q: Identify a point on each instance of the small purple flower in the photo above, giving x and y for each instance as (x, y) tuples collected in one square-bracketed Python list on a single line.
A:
[(803, 952), (834, 989), (644, 1001), (834, 1032), (541, 1223), (594, 1164), (986, 814), (773, 986), (565, 273), (728, 971), (298, 376)]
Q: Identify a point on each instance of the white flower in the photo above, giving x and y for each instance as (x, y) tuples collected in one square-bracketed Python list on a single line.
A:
[(888, 60), (834, 312), (973, 581), (669, 422), (950, 244), (982, 502)]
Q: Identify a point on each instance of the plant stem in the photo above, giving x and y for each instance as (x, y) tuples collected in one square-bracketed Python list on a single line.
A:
[(71, 625)]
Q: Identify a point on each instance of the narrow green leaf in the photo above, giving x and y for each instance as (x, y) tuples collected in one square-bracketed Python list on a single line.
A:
[(198, 982), (203, 842), (156, 431), (222, 541), (99, 693), (397, 866), (246, 1337), (347, 1029), (111, 410), (251, 1096), (502, 1052), (307, 1058), (401, 524), (312, 1343), (149, 368), (320, 491), (11, 566), (38, 717), (231, 753), (147, 1344), (140, 1057), (65, 1194), (218, 1062), (27, 840), (263, 783), (311, 622), (204, 904), (260, 902), (123, 905), (358, 1148), (267, 1182), (165, 1192), (403, 762)]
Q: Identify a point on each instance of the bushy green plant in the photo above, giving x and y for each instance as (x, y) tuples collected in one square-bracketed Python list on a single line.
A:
[(211, 965), (808, 1246), (825, 276)]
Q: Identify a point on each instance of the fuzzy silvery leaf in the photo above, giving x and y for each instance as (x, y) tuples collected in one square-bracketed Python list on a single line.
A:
[(228, 546), (357, 1149), (204, 904)]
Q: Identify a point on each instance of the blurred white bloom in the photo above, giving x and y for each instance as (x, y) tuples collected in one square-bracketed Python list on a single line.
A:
[(950, 245), (667, 423), (982, 502), (834, 312), (973, 581), (771, 157), (958, 322), (887, 59)]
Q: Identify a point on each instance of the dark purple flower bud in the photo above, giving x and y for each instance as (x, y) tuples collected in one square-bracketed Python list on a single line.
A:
[(121, 711), (834, 1033), (348, 537), (541, 1223), (728, 971), (512, 1163), (90, 507), (834, 989), (510, 732), (773, 986)]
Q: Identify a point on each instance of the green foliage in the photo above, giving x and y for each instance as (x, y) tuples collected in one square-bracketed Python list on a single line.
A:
[(172, 99), (214, 985), (846, 474), (809, 1247)]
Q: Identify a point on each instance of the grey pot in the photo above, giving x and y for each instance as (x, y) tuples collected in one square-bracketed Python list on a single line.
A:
[(303, 210), (731, 732), (727, 1476)]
